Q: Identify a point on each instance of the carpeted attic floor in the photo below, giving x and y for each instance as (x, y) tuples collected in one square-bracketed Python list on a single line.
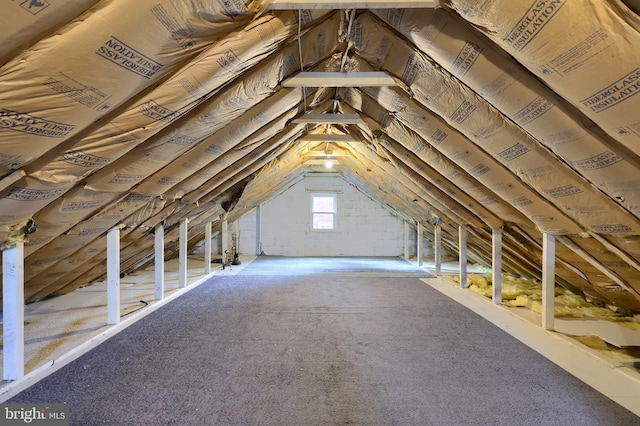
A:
[(320, 342)]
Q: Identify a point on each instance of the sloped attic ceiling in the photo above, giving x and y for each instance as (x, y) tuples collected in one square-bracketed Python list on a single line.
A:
[(512, 114)]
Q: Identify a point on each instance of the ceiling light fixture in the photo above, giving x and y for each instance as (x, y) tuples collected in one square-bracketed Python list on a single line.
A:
[(328, 164)]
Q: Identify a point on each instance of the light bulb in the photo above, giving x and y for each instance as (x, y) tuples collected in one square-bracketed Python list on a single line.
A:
[(328, 164)]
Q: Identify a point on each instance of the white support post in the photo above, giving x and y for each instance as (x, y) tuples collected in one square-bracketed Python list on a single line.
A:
[(159, 262), (182, 256), (207, 248), (236, 231), (462, 255), (437, 248), (419, 246), (113, 275), (13, 312), (548, 280), (496, 266), (407, 231), (224, 232), (259, 230)]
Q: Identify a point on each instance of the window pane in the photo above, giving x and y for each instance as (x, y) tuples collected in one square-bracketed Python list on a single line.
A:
[(323, 204), (323, 221), (323, 211)]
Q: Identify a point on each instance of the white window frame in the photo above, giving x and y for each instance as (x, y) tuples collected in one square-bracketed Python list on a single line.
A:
[(334, 212)]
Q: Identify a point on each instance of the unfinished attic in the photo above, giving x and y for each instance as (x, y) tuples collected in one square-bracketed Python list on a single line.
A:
[(500, 138)]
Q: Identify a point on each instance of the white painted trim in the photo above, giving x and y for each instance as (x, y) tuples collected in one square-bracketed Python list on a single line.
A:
[(13, 312), (113, 275), (13, 388), (340, 79), (548, 280), (419, 244), (259, 229), (312, 212), (350, 4), (496, 266), (608, 377), (207, 248), (462, 254), (406, 233), (236, 230), (224, 232), (329, 118), (182, 255), (437, 249), (159, 262), (324, 137)]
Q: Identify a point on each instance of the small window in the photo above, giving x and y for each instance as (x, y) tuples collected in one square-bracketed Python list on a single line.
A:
[(323, 211)]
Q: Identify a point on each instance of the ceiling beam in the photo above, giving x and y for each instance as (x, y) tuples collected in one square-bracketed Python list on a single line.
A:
[(329, 118), (315, 137), (324, 154), (340, 79), (351, 4), (9, 180), (322, 163)]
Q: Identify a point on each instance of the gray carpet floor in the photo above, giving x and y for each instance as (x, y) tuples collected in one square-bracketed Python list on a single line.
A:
[(320, 342)]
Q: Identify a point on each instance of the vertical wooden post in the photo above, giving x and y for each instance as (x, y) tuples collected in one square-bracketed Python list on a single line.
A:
[(419, 246), (259, 230), (159, 262), (113, 275), (13, 312), (182, 256), (405, 244), (548, 280), (224, 234), (496, 266), (462, 256), (437, 248), (236, 231), (207, 248)]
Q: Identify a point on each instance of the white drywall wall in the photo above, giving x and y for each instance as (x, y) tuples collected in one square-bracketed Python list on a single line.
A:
[(364, 227)]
